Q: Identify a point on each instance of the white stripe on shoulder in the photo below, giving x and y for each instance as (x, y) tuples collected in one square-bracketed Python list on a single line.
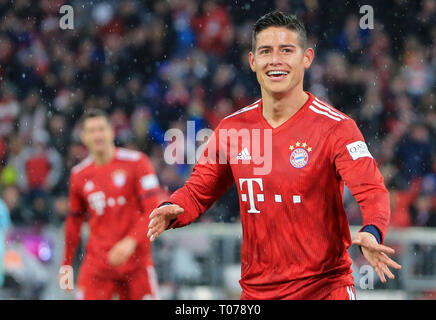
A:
[(82, 165), (254, 106), (127, 154), (324, 113), (331, 108), (324, 107)]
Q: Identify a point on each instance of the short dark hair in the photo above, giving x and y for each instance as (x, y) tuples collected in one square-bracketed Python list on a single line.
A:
[(280, 19), (93, 113)]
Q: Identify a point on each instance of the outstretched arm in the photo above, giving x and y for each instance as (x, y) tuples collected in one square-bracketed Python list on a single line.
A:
[(210, 179), (357, 168)]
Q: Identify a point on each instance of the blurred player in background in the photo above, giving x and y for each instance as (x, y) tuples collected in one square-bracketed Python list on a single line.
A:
[(115, 189), (295, 229)]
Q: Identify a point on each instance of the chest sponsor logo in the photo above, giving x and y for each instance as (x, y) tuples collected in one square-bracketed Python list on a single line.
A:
[(97, 201), (299, 155), (358, 149), (253, 192), (119, 178), (244, 154)]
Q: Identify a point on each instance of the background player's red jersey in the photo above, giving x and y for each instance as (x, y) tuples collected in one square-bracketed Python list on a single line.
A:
[(295, 229), (116, 198)]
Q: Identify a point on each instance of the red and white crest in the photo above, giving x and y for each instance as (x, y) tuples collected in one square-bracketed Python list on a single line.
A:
[(119, 178)]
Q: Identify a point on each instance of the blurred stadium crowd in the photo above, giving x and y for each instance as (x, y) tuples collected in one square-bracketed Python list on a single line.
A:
[(154, 65)]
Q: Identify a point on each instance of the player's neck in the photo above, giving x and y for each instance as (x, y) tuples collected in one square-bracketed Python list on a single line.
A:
[(277, 109), (102, 158)]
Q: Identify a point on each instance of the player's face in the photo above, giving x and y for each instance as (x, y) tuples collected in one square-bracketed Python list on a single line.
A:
[(279, 61), (97, 134)]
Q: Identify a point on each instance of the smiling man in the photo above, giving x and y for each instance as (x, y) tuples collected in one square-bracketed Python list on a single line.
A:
[(295, 229)]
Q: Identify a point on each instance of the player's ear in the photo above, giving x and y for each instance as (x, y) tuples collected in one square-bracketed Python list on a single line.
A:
[(251, 60), (309, 55)]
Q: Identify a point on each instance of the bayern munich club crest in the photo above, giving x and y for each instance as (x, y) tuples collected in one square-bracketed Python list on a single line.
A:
[(119, 178), (299, 155)]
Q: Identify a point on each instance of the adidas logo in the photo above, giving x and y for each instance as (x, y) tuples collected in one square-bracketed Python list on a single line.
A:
[(244, 155)]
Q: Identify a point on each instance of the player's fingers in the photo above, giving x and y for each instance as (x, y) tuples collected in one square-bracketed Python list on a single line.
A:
[(376, 247), (380, 274), (154, 213), (388, 261), (151, 231), (153, 222), (154, 233), (154, 236), (384, 249), (386, 270)]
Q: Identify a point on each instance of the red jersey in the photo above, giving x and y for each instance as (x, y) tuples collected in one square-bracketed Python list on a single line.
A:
[(295, 229), (116, 198)]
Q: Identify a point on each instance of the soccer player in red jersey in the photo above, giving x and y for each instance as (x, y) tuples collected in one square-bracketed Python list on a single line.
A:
[(115, 189), (295, 229)]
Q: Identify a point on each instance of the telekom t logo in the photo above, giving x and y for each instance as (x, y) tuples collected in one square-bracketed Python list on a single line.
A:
[(259, 196)]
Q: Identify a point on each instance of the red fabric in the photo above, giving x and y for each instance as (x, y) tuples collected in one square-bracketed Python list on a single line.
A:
[(115, 26), (342, 292), (400, 213), (37, 168), (130, 286), (295, 229), (402, 200), (213, 30), (3, 148), (117, 198)]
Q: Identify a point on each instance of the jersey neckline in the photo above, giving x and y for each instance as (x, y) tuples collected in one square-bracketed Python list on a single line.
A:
[(288, 122), (114, 156)]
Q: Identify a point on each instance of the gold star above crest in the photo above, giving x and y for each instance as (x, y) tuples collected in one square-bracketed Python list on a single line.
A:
[(309, 149), (291, 147), (304, 145), (297, 144)]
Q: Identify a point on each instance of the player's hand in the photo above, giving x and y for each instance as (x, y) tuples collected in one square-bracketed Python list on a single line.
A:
[(121, 251), (160, 219), (376, 254)]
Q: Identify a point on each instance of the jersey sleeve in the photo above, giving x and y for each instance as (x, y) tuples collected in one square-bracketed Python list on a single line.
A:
[(74, 221), (150, 194), (210, 179), (358, 169)]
